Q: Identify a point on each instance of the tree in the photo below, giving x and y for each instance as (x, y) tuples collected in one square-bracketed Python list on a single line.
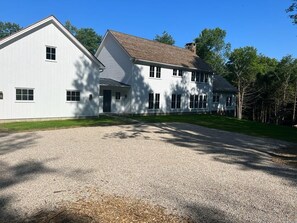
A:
[(243, 68), (86, 36), (165, 38), (293, 11), (8, 28), (212, 48)]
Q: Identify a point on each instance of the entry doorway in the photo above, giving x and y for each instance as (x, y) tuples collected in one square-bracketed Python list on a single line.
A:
[(106, 100)]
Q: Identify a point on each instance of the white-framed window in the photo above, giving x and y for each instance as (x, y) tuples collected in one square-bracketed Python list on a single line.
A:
[(154, 101), (1, 95), (118, 95), (175, 101), (229, 101), (200, 77), (24, 94), (180, 73), (216, 98), (198, 101), (154, 70), (50, 53), (72, 95)]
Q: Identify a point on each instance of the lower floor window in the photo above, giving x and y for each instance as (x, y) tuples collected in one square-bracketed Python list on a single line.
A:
[(175, 100), (229, 101), (118, 95), (216, 98), (24, 94), (198, 101), (154, 101), (73, 96)]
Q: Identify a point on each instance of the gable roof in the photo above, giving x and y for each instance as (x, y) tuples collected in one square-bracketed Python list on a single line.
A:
[(144, 50), (220, 84), (39, 25), (111, 82)]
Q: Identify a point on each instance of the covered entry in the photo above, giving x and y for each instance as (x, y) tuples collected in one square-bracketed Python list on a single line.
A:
[(114, 96)]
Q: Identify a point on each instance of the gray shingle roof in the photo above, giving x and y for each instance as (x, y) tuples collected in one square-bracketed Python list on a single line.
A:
[(153, 51), (220, 84), (111, 82)]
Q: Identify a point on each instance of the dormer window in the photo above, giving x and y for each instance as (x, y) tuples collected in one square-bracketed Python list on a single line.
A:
[(50, 53)]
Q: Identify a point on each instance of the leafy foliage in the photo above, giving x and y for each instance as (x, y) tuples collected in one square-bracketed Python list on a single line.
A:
[(213, 49), (165, 38), (86, 36), (293, 11), (8, 28)]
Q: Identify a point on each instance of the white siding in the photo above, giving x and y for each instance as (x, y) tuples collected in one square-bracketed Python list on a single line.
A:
[(23, 64), (166, 86)]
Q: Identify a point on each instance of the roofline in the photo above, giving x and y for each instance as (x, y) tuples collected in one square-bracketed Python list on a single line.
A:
[(52, 19), (170, 65)]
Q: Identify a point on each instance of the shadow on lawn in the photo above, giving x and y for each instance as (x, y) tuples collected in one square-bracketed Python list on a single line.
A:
[(232, 148)]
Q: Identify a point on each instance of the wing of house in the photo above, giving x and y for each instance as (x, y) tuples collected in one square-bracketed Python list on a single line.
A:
[(152, 77), (46, 73)]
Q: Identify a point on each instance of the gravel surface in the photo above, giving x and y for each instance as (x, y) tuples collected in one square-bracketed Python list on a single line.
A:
[(208, 175)]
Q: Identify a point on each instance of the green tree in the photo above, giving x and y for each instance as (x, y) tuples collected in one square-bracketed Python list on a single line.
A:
[(293, 11), (86, 36), (165, 38), (212, 48), (243, 68), (8, 28)]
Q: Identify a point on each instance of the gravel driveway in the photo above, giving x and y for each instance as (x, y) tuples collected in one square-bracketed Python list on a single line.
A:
[(209, 175)]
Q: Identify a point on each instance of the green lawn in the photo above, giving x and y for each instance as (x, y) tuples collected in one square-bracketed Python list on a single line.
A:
[(56, 124), (229, 124)]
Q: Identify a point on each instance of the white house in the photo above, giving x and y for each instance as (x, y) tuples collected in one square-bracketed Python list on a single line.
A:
[(46, 73), (144, 76)]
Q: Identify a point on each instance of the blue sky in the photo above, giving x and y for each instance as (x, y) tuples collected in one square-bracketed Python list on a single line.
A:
[(259, 23)]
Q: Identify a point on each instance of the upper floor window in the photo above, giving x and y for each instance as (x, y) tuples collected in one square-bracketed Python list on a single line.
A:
[(1, 95), (50, 53), (152, 71), (24, 94), (158, 74), (72, 95), (200, 77), (118, 96), (180, 73), (174, 72)]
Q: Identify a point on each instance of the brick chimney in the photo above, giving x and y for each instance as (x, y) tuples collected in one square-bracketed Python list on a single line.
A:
[(191, 47)]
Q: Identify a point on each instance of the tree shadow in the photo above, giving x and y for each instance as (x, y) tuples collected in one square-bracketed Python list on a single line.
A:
[(13, 142)]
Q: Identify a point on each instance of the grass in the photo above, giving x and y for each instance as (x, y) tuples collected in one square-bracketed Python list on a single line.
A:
[(229, 124), (58, 124)]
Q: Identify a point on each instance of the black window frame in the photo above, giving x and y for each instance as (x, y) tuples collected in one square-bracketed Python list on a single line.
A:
[(157, 101), (216, 98), (174, 73), (180, 73), (151, 101), (24, 94), (193, 76), (191, 101), (173, 101), (72, 95), (51, 53), (152, 71), (229, 101), (178, 101)]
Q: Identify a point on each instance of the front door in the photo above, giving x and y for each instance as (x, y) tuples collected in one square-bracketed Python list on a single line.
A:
[(106, 100)]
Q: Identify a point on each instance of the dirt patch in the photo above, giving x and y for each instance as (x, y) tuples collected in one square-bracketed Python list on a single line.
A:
[(106, 209), (286, 156)]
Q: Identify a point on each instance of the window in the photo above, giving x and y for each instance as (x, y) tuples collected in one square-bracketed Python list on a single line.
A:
[(23, 94), (50, 53), (193, 77), (152, 71), (206, 78), (175, 101), (174, 72), (191, 101), (73, 96), (198, 101), (154, 104), (216, 98), (180, 73), (118, 95), (229, 101), (1, 95), (158, 74)]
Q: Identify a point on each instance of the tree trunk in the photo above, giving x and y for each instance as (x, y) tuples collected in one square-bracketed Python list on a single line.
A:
[(294, 106), (239, 102)]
